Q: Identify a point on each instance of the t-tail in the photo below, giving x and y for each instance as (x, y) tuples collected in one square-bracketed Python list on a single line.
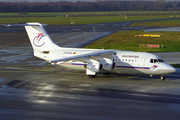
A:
[(39, 38)]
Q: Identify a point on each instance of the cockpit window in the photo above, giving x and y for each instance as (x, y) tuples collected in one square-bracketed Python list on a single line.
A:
[(152, 61), (160, 60), (156, 60)]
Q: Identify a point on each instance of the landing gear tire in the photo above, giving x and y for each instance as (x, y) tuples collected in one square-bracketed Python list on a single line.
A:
[(162, 77), (91, 76)]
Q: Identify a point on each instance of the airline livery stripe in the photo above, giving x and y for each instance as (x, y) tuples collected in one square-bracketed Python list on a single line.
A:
[(76, 64), (126, 67), (166, 70), (130, 67)]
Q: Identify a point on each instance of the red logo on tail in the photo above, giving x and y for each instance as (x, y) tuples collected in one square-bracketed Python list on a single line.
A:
[(38, 41)]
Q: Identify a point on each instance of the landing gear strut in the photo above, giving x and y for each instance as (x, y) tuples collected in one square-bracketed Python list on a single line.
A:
[(162, 77)]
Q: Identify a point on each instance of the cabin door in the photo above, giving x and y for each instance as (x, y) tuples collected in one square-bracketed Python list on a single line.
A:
[(141, 62)]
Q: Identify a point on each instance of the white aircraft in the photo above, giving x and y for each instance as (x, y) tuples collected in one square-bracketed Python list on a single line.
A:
[(94, 60)]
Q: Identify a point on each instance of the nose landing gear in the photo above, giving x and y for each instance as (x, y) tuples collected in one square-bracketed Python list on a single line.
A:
[(162, 77)]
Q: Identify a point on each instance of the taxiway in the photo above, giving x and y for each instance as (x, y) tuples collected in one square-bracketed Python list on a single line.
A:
[(32, 89)]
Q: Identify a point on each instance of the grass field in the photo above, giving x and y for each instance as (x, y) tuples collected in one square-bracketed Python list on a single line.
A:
[(85, 17), (173, 23), (59, 20), (98, 12), (126, 40)]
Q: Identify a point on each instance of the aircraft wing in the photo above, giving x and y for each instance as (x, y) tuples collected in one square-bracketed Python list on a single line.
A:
[(83, 57)]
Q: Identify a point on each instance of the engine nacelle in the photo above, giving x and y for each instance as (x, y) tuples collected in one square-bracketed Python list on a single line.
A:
[(109, 64), (94, 66)]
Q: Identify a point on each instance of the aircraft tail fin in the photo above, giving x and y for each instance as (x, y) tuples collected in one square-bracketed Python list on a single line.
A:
[(39, 38)]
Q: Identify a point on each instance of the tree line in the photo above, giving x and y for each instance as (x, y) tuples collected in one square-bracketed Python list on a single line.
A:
[(62, 6)]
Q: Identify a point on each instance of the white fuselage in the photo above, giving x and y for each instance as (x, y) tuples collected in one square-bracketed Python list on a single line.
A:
[(126, 61)]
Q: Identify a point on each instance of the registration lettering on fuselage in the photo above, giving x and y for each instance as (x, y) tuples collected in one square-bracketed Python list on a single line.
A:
[(69, 52)]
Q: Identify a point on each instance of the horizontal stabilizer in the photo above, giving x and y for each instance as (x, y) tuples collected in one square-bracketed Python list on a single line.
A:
[(25, 24)]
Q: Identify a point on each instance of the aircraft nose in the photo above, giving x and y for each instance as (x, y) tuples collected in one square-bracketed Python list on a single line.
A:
[(167, 69), (171, 69)]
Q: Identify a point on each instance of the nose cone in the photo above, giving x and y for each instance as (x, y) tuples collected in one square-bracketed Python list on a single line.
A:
[(166, 69), (171, 69)]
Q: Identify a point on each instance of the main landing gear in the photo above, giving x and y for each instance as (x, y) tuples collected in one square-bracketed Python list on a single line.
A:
[(91, 76)]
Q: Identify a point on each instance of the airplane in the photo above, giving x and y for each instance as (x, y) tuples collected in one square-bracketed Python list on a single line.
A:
[(94, 61)]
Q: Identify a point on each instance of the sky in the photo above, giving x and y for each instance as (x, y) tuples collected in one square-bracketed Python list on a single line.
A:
[(67, 0)]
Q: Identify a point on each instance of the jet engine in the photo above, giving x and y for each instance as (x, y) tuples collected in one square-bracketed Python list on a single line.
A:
[(109, 64), (92, 67)]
